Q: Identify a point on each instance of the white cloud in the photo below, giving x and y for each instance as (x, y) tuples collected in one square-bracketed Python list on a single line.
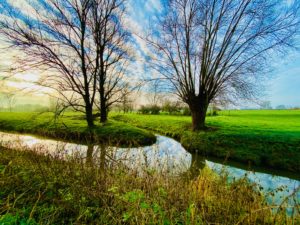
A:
[(153, 6)]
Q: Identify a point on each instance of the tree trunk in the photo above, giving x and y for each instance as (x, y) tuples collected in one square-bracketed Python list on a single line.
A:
[(103, 111), (103, 107), (89, 115), (198, 112)]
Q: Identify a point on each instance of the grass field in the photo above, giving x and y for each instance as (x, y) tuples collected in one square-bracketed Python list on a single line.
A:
[(268, 138), (72, 127)]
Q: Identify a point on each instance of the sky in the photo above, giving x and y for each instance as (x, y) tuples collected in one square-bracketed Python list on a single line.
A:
[(282, 88)]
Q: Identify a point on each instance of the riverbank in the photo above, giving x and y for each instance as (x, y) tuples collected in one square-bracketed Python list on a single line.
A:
[(72, 127), (269, 138), (38, 189)]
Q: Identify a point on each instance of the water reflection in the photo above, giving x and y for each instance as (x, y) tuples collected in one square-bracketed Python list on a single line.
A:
[(166, 155), (89, 155), (197, 164)]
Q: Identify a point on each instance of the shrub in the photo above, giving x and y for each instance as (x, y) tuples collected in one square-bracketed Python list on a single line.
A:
[(171, 107), (150, 109), (186, 111)]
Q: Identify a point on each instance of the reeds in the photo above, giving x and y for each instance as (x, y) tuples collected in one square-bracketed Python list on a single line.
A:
[(39, 188)]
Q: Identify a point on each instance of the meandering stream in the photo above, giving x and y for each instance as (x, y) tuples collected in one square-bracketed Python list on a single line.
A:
[(166, 154)]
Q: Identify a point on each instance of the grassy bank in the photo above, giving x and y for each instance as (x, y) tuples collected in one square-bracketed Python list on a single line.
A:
[(72, 127), (264, 138), (36, 189)]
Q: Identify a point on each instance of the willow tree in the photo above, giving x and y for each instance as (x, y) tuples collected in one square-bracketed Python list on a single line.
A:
[(209, 48), (64, 39)]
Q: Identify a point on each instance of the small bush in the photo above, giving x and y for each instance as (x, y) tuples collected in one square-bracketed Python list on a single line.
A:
[(186, 111), (172, 108), (150, 109)]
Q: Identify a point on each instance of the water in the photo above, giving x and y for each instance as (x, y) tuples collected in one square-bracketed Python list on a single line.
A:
[(166, 155)]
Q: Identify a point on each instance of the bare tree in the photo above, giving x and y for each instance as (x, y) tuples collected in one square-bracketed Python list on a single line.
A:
[(64, 39), (11, 100), (265, 105), (125, 100), (209, 48), (7, 100), (155, 92), (112, 51)]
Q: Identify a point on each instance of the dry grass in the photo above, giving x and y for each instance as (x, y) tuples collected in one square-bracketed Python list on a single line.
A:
[(39, 189)]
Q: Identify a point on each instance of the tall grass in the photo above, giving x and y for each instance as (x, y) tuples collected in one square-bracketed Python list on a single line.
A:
[(45, 189)]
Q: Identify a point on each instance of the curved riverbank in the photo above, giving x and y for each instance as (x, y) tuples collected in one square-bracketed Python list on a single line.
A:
[(72, 127), (260, 138)]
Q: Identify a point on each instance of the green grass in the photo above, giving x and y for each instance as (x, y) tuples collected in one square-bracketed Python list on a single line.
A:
[(72, 127), (39, 189), (268, 138)]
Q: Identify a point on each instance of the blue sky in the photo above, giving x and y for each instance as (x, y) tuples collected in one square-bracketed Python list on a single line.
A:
[(282, 88)]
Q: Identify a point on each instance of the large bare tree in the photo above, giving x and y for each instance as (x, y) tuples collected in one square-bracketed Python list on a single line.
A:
[(211, 48), (79, 46)]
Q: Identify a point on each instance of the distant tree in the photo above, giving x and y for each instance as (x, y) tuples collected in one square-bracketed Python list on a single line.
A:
[(126, 101), (154, 96), (280, 107), (265, 105), (213, 109), (10, 100), (125, 97), (208, 48)]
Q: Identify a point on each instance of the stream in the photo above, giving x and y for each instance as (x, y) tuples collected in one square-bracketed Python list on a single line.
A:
[(166, 155)]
